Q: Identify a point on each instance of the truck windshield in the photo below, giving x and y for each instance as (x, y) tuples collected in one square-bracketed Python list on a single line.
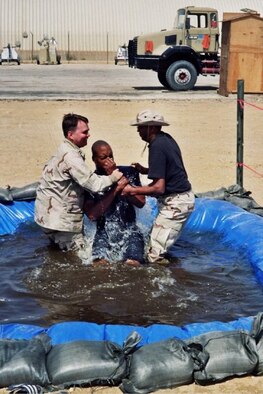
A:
[(197, 20), (180, 19), (191, 20)]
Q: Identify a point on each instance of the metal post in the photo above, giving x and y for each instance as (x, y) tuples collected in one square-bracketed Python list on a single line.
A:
[(107, 48), (32, 46), (68, 48), (240, 130)]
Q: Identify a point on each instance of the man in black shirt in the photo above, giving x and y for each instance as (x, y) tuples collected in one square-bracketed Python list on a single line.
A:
[(169, 183)]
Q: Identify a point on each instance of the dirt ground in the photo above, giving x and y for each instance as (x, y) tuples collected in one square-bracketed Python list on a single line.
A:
[(205, 130), (242, 385)]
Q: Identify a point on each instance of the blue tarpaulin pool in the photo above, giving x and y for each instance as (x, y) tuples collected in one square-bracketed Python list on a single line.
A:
[(235, 227)]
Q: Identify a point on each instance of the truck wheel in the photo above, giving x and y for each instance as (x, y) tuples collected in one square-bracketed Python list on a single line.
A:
[(181, 75), (162, 79)]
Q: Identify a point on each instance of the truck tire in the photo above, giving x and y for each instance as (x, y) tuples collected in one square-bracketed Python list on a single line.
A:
[(162, 79), (181, 75)]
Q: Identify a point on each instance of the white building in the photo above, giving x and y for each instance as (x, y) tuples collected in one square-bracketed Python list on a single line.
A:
[(93, 29)]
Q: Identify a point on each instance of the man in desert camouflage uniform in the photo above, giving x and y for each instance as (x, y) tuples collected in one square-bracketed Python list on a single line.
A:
[(60, 194), (169, 184)]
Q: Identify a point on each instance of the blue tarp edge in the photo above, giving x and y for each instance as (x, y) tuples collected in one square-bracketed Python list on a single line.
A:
[(235, 226)]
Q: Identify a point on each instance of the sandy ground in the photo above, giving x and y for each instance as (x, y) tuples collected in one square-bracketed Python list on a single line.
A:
[(243, 385), (204, 128)]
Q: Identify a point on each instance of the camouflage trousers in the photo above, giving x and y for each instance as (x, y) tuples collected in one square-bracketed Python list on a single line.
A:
[(66, 240), (174, 210)]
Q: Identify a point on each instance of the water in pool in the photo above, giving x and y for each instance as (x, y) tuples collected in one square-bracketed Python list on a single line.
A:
[(40, 285)]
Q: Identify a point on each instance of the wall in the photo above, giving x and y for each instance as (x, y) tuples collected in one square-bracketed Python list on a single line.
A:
[(93, 29)]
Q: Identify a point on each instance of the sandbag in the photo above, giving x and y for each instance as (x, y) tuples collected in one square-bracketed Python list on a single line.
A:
[(257, 334), (162, 364), (24, 193), (218, 194), (237, 195), (89, 362), (231, 353), (24, 361), (5, 195)]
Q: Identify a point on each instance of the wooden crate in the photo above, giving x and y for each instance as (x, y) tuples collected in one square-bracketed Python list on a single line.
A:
[(241, 53)]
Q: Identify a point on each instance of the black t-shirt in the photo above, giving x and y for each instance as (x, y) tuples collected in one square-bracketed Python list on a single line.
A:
[(165, 161)]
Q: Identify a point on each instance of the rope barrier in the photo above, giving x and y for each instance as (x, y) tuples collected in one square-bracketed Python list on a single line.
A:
[(249, 168), (243, 102)]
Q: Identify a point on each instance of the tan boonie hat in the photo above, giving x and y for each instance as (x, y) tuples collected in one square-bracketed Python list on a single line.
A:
[(149, 118)]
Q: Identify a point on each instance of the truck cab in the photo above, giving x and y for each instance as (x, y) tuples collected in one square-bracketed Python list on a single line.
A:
[(181, 54)]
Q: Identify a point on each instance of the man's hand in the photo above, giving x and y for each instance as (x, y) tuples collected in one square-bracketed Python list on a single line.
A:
[(109, 165), (121, 184), (117, 174), (140, 168), (128, 190)]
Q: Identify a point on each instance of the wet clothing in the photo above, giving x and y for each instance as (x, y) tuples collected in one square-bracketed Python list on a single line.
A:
[(60, 194), (66, 240), (117, 235), (174, 210), (177, 202)]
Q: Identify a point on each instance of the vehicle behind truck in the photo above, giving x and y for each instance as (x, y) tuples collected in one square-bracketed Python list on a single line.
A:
[(179, 55)]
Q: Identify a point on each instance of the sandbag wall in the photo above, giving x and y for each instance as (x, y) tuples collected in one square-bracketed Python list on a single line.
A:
[(73, 353)]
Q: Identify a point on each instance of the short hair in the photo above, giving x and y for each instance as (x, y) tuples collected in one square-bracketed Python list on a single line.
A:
[(70, 122), (96, 145)]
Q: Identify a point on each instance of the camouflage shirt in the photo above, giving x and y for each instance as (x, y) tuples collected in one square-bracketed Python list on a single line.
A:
[(60, 194)]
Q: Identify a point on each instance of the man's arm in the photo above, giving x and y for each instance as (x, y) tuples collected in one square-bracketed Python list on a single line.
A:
[(134, 180), (95, 209), (137, 200), (141, 169), (86, 178), (155, 188)]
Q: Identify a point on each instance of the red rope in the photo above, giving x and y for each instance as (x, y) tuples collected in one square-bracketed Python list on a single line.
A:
[(242, 105), (249, 168), (242, 102)]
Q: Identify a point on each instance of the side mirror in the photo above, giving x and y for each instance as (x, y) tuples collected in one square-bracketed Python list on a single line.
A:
[(187, 23)]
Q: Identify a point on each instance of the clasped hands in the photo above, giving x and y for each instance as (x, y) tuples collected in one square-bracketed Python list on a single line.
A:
[(124, 188), (123, 185)]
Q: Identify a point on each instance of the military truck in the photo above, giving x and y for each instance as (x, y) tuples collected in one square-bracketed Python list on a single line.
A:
[(179, 55)]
